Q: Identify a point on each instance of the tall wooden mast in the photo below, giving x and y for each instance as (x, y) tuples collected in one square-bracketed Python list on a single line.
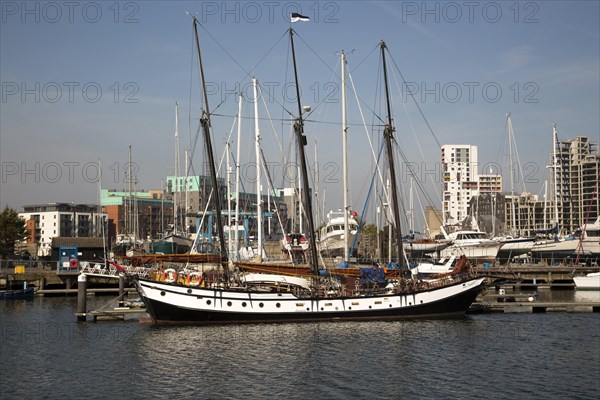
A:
[(301, 140), (388, 134), (205, 122)]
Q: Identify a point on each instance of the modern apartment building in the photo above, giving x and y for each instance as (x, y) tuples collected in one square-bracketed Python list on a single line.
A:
[(460, 180), (47, 221), (576, 167)]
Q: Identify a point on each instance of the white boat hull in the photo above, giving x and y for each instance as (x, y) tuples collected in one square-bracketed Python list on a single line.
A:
[(479, 252), (334, 245), (425, 247), (590, 281), (174, 303)]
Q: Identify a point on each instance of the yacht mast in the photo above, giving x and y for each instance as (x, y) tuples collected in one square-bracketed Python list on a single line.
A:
[(176, 180), (205, 121), (237, 177), (301, 140), (345, 161), (229, 243), (513, 227), (388, 134), (259, 216)]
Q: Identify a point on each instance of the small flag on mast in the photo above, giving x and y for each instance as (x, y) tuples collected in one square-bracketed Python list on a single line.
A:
[(297, 17)]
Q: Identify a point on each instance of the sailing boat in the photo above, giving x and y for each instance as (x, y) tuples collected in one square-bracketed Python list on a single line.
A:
[(229, 298), (513, 246), (128, 242), (174, 242)]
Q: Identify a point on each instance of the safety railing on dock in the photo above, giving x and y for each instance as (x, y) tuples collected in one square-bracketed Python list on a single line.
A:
[(100, 269)]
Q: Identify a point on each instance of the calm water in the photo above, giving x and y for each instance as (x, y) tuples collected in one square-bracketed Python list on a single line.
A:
[(46, 354)]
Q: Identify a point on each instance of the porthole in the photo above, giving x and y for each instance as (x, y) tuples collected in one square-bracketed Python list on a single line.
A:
[(228, 304), (189, 291), (162, 293), (421, 301), (277, 305), (244, 304), (322, 308), (370, 307), (349, 308), (208, 302), (261, 305)]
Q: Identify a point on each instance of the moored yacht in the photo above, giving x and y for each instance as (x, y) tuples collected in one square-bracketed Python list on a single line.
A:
[(583, 245), (474, 244), (332, 241)]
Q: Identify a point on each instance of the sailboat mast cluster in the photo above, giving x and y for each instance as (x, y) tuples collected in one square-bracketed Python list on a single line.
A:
[(290, 292)]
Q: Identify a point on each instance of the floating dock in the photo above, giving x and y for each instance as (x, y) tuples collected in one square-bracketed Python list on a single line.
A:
[(117, 313), (528, 303)]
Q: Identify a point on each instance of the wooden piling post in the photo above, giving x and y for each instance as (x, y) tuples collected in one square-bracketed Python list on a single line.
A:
[(81, 297)]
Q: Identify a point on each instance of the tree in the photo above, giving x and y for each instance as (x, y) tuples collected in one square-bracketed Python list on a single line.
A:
[(12, 229)]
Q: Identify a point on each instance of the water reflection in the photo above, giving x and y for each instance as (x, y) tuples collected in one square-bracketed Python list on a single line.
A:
[(587, 296), (501, 355)]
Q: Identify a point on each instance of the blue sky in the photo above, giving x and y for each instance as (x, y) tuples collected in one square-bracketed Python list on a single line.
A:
[(82, 82)]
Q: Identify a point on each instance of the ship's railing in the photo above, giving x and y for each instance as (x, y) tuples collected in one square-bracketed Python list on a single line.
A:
[(93, 268)]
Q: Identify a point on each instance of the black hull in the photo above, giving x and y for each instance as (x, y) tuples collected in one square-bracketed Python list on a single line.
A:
[(453, 306)]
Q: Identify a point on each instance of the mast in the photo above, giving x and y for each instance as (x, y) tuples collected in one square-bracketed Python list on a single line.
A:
[(237, 176), (176, 180), (545, 202), (555, 168), (187, 192), (205, 121), (162, 206), (411, 218), (131, 217), (301, 140), (101, 213), (511, 169), (259, 216), (345, 160), (229, 247), (388, 133)]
